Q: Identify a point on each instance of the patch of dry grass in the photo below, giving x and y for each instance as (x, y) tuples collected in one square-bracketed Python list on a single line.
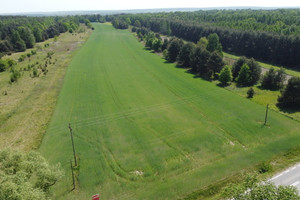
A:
[(27, 108)]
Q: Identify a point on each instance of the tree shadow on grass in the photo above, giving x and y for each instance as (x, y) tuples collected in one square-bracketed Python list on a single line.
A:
[(290, 109), (168, 62), (147, 48), (222, 85)]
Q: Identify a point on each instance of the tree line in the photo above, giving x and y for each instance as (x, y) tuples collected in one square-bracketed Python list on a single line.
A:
[(17, 33), (205, 59), (265, 45)]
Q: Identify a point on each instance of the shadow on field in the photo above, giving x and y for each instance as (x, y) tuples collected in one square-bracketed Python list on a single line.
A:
[(288, 109)]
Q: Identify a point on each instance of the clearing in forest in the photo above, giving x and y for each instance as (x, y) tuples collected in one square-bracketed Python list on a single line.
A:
[(144, 129)]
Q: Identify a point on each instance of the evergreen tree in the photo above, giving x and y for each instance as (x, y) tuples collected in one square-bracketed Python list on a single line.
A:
[(290, 96), (165, 44), (214, 64), (156, 45), (174, 49), (244, 77), (214, 43), (255, 71), (273, 80), (185, 54), (237, 65), (199, 59), (225, 75)]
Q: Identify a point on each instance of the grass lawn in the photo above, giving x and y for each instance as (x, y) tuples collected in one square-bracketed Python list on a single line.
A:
[(144, 129)]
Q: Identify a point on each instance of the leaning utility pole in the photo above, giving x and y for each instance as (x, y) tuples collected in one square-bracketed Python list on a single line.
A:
[(75, 160), (72, 175), (266, 117)]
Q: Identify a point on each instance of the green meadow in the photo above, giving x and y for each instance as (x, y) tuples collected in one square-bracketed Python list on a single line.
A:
[(145, 129)]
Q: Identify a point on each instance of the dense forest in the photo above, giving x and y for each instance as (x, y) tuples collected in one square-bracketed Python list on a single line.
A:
[(271, 36), (17, 33)]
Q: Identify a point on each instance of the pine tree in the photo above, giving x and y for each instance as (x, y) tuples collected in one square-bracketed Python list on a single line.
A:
[(244, 77), (225, 75)]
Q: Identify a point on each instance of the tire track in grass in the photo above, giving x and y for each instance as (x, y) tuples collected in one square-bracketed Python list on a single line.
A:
[(119, 103), (120, 115)]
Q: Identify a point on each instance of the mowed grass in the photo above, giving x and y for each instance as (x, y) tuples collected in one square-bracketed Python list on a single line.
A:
[(144, 129)]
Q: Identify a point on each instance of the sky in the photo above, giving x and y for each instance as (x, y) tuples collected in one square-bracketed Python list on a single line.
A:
[(15, 6)]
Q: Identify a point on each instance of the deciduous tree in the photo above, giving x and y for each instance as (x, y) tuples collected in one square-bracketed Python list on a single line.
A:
[(26, 176)]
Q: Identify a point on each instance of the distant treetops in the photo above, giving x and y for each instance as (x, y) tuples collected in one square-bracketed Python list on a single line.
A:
[(18, 33)]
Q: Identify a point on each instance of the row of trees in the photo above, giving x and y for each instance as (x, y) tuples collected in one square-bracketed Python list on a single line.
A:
[(19, 33), (279, 21), (264, 45), (205, 59)]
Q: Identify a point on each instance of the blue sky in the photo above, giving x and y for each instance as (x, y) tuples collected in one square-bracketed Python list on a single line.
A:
[(12, 6)]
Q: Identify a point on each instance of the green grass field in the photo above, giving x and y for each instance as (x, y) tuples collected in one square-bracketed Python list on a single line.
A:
[(144, 129)]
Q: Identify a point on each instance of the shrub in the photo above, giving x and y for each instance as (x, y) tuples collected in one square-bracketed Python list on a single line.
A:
[(250, 93), (22, 58), (3, 65), (264, 167), (15, 75), (33, 52)]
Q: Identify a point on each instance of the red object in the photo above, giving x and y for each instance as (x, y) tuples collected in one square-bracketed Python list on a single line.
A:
[(96, 197)]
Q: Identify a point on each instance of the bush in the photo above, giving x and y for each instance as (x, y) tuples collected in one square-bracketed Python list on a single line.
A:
[(33, 52), (264, 167), (15, 75), (250, 93), (22, 58), (3, 65), (35, 72)]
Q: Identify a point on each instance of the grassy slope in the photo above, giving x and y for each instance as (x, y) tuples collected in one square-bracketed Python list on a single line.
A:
[(131, 112), (28, 106)]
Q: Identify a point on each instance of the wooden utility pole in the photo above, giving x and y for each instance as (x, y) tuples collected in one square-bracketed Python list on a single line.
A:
[(75, 160), (266, 117), (72, 175)]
